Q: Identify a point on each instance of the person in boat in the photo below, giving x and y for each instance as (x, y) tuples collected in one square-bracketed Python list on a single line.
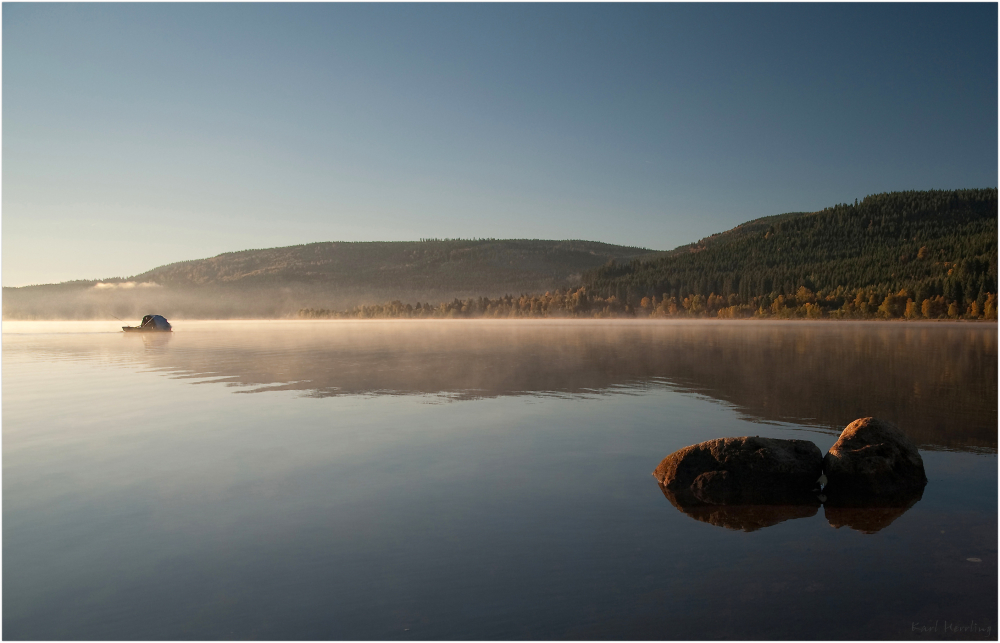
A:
[(154, 322)]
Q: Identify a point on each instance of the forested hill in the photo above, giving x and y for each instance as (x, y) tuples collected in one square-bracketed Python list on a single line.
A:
[(481, 266), (935, 243), (277, 282)]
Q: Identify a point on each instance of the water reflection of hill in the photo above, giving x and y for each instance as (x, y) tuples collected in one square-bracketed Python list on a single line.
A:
[(937, 381)]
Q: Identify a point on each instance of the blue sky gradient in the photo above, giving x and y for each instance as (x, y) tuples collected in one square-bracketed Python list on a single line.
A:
[(136, 135)]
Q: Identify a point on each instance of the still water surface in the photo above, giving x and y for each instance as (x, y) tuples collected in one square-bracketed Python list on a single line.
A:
[(471, 480)]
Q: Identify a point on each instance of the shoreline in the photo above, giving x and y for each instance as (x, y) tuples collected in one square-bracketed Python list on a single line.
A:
[(625, 320)]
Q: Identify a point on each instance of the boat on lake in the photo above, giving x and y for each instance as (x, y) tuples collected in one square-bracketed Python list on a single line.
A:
[(150, 324)]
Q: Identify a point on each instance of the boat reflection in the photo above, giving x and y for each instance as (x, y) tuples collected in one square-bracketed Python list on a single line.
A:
[(151, 341)]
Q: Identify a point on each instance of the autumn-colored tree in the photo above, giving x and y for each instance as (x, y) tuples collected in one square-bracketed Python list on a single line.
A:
[(934, 307), (893, 306), (990, 307)]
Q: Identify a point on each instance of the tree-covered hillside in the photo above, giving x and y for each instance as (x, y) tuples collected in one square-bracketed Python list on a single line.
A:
[(482, 265), (936, 243), (901, 255), (276, 282)]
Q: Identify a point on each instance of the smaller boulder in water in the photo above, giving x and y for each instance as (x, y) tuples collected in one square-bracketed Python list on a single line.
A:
[(873, 456)]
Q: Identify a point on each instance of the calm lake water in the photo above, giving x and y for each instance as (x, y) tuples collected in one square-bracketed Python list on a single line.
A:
[(480, 480)]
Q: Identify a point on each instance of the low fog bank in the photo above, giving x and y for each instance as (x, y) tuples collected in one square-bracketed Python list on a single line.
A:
[(131, 300)]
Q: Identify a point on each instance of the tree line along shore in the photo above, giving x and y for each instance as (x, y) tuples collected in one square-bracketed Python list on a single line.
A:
[(580, 303)]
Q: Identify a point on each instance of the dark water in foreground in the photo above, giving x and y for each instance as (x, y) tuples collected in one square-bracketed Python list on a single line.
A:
[(480, 480)]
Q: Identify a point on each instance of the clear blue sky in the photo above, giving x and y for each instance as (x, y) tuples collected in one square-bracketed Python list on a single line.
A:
[(136, 135)]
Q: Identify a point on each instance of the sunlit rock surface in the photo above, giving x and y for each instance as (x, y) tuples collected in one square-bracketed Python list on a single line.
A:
[(746, 470), (874, 457)]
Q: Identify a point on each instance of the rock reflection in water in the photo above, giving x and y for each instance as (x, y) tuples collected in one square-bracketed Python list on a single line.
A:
[(765, 512), (843, 508), (867, 513)]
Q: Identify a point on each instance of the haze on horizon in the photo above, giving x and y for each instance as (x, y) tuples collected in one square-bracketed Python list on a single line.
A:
[(137, 135)]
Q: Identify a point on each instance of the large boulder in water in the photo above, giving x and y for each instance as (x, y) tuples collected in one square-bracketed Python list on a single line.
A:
[(873, 456), (747, 470)]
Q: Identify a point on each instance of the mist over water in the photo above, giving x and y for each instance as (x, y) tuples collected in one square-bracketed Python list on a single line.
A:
[(105, 300), (479, 479), (934, 380)]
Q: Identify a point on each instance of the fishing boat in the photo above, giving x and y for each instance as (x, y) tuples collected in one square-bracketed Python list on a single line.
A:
[(150, 324)]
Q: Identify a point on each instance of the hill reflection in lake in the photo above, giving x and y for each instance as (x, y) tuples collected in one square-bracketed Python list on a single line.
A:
[(937, 381)]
